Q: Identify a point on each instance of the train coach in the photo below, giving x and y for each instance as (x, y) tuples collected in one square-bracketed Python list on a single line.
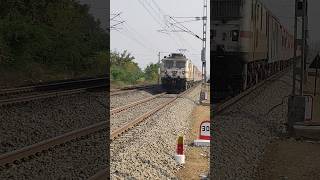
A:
[(248, 44), (178, 73)]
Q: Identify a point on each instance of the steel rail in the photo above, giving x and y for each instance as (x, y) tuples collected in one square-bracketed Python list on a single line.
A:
[(35, 149), (122, 108), (45, 95), (224, 105), (122, 92), (102, 174), (25, 152), (114, 92), (116, 133), (36, 87)]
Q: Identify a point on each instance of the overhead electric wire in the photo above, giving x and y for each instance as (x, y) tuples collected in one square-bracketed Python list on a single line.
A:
[(130, 28), (185, 28), (152, 15), (115, 16), (160, 14), (135, 40)]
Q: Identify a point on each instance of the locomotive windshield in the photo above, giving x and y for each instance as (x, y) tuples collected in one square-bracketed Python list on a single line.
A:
[(174, 64), (180, 64), (168, 64)]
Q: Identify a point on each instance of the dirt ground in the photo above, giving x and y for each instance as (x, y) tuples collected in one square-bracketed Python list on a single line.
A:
[(197, 159), (291, 159)]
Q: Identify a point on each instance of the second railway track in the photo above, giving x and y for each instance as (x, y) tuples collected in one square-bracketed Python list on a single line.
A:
[(220, 107), (49, 90), (23, 155)]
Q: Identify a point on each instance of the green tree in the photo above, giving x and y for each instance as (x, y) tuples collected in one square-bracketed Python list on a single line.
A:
[(124, 69), (51, 38), (151, 72)]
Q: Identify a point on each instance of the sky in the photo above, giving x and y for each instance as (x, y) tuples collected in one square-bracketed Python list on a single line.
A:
[(140, 36)]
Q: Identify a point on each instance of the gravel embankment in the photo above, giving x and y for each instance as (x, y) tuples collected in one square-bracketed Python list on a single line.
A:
[(125, 98), (119, 119), (148, 149), (244, 129), (76, 160), (25, 124)]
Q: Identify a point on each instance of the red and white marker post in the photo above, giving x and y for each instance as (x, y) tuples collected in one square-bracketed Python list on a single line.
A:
[(180, 157), (204, 137)]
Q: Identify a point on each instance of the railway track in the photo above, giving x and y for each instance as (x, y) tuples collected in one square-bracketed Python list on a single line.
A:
[(19, 156), (114, 92), (30, 93), (102, 174), (220, 107)]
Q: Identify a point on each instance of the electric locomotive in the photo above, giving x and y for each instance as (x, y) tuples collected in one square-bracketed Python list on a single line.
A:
[(178, 73)]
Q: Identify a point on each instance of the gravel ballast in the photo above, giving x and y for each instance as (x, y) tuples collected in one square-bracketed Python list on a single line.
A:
[(119, 119), (26, 124), (75, 160), (125, 98), (242, 132), (148, 149)]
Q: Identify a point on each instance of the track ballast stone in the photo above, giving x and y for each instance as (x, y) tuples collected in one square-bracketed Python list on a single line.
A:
[(125, 98), (119, 119), (26, 124), (242, 132), (147, 151), (75, 160)]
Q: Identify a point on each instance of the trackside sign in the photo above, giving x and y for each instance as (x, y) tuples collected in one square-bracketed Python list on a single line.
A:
[(205, 130)]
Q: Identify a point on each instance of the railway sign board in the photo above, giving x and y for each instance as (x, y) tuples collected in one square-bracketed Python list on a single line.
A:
[(205, 130), (204, 137)]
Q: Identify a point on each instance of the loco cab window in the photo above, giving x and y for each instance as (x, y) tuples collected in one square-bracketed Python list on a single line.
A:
[(168, 64), (180, 64)]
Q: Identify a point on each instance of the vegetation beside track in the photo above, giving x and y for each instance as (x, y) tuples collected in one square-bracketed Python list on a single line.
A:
[(124, 71), (49, 40)]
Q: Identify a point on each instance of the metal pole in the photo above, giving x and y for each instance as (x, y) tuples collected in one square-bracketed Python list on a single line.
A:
[(159, 68), (315, 82), (303, 48), (204, 41), (295, 51)]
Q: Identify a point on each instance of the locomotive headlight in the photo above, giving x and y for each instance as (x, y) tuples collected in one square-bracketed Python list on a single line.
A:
[(183, 72)]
